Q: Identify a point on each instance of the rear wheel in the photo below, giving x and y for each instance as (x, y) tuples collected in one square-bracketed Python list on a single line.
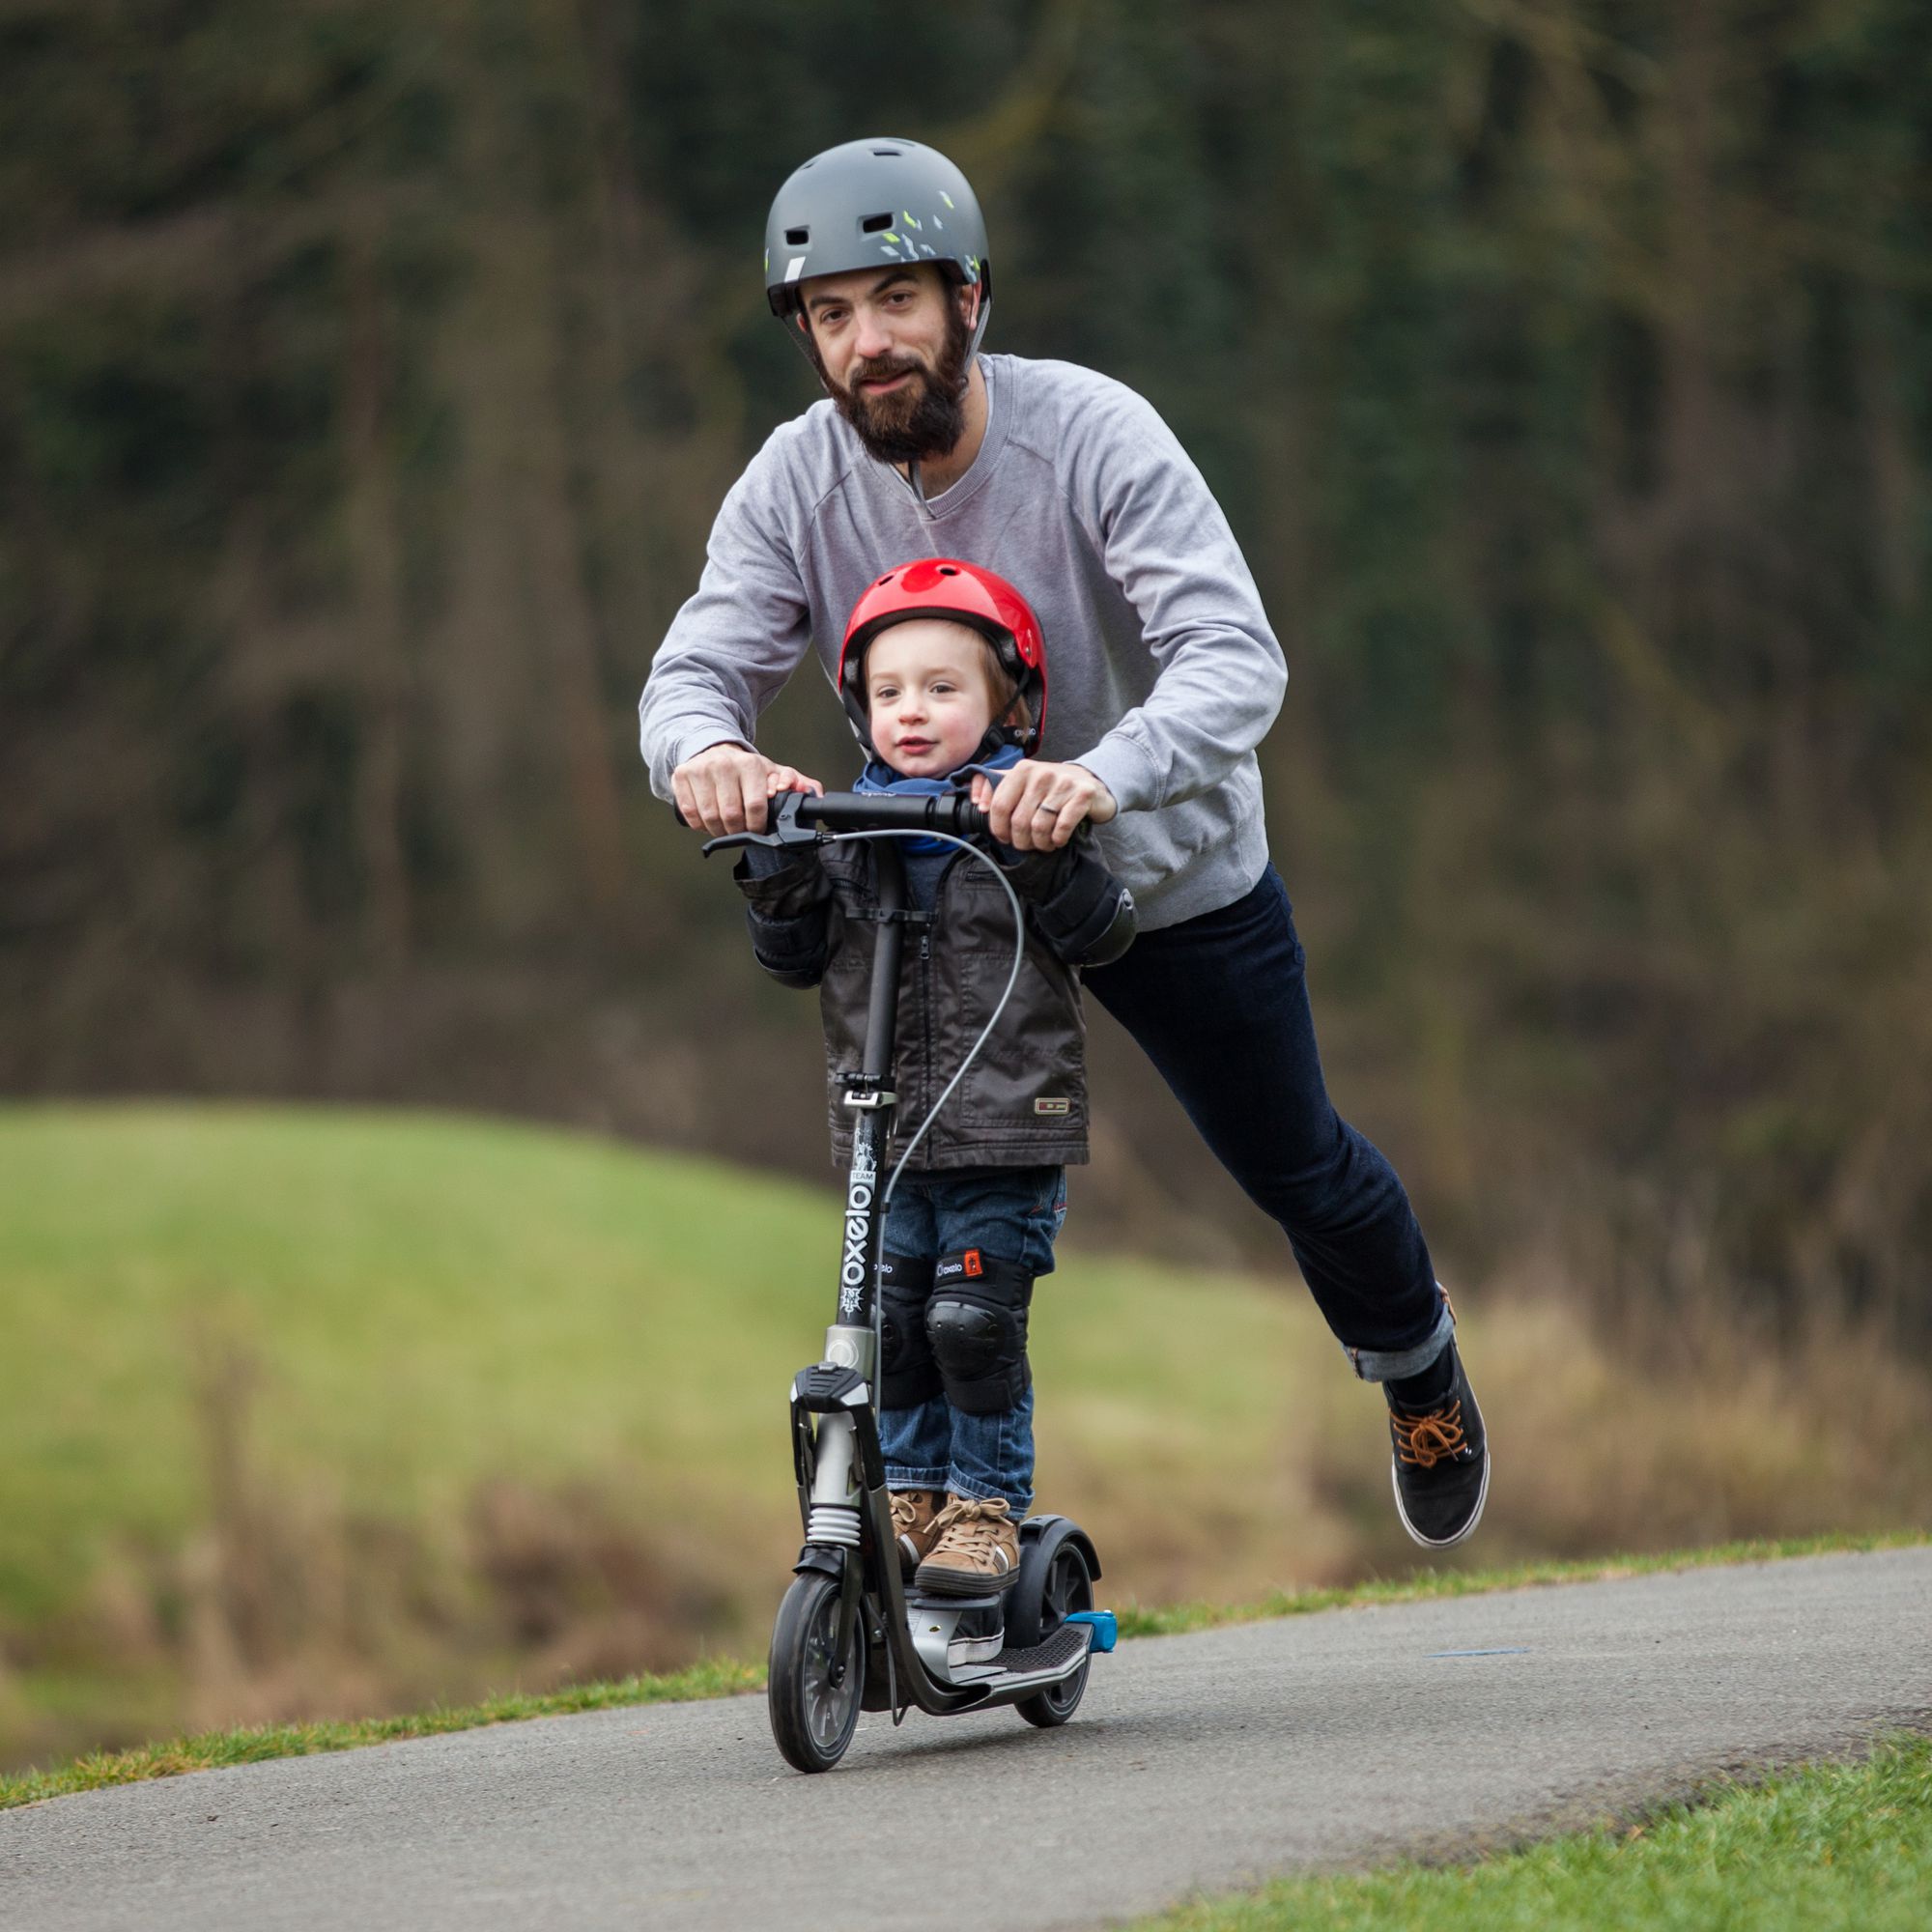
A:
[(814, 1716), (1067, 1585)]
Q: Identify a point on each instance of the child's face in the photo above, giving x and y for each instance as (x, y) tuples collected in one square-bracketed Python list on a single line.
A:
[(928, 696)]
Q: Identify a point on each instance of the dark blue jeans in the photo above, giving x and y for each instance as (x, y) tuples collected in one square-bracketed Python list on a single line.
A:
[(1220, 1005), (1013, 1213)]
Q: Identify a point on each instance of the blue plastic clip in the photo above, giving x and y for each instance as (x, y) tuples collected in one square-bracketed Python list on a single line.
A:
[(1106, 1631)]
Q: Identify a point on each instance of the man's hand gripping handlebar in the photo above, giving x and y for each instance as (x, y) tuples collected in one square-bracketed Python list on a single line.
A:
[(801, 818)]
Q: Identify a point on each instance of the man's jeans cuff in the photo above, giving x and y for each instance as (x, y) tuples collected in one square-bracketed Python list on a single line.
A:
[(1387, 1365)]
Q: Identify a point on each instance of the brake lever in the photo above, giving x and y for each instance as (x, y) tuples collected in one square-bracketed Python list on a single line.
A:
[(785, 830)]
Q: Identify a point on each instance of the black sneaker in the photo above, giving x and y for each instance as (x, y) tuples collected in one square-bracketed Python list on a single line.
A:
[(1441, 1465)]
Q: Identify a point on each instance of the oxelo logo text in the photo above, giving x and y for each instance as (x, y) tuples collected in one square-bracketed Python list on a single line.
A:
[(858, 1224)]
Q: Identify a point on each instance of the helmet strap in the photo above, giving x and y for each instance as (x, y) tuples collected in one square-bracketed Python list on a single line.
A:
[(983, 314), (982, 309), (998, 737)]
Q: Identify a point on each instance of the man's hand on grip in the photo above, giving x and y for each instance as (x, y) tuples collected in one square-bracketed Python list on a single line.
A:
[(1037, 805), (724, 789)]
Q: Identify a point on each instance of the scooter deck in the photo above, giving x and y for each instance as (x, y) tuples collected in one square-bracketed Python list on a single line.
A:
[(1044, 1662), (962, 1643)]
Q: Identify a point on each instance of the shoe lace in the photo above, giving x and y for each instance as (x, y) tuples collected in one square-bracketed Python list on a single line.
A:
[(1426, 1440), (911, 1507), (970, 1525)]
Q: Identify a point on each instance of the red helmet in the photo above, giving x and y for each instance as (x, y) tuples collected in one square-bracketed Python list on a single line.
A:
[(963, 593)]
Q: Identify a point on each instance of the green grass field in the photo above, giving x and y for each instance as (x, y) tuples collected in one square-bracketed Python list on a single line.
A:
[(426, 1301)]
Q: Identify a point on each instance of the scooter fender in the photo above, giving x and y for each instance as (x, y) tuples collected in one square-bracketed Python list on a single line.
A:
[(1040, 1537)]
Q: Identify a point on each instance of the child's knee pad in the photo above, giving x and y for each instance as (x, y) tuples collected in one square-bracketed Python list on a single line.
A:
[(976, 1322), (908, 1375)]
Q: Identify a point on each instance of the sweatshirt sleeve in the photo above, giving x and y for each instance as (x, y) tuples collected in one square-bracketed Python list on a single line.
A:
[(736, 641), (1165, 541)]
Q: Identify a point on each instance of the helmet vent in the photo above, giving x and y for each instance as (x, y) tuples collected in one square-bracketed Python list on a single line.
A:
[(872, 223), (797, 237), (892, 152), (948, 569)]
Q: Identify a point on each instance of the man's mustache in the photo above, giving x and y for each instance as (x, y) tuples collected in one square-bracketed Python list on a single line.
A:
[(885, 371)]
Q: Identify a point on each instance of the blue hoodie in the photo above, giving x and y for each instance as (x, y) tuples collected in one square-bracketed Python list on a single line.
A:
[(926, 858)]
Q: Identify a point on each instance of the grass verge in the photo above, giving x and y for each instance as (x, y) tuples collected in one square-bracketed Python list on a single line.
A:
[(211, 1750), (725, 1677), (1827, 1846)]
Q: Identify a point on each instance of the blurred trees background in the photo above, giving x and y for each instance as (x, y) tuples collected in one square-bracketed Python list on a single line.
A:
[(369, 375)]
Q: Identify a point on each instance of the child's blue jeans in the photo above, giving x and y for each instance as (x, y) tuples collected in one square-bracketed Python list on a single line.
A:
[(1012, 1212)]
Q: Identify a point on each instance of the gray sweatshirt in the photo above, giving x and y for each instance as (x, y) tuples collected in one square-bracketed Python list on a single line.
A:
[(1162, 672)]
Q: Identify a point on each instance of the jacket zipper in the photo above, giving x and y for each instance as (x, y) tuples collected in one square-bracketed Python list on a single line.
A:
[(925, 994), (926, 1005)]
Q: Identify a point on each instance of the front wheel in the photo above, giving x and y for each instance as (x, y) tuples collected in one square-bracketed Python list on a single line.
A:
[(813, 1717)]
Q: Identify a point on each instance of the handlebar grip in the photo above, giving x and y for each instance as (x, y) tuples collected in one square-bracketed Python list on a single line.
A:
[(877, 812), (955, 813)]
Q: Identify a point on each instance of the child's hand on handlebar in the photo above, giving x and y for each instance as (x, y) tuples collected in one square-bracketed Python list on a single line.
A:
[(783, 778), (1037, 805)]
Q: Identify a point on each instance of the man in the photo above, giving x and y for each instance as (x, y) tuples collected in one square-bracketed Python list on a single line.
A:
[(1164, 677)]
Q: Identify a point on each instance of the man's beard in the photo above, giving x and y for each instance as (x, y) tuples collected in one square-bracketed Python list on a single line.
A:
[(927, 417)]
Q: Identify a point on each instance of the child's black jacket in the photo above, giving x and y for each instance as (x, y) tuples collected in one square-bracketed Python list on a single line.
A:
[(1023, 1102)]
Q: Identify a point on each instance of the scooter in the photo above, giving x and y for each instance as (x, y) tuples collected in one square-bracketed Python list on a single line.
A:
[(850, 1635)]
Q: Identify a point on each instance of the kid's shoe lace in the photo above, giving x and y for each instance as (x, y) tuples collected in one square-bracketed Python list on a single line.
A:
[(971, 1528)]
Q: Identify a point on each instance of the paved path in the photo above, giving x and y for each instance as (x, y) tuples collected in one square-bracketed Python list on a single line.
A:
[(1197, 1763)]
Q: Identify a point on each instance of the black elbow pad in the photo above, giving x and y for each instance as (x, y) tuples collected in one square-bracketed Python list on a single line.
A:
[(787, 901), (801, 977), (1113, 930), (1083, 912)]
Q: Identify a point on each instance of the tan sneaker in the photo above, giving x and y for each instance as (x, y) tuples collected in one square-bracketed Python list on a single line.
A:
[(915, 1524), (974, 1550)]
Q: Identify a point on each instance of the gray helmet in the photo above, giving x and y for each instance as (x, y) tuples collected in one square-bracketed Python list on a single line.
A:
[(868, 203)]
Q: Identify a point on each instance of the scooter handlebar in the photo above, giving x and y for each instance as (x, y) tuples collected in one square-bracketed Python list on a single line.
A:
[(876, 811), (798, 816)]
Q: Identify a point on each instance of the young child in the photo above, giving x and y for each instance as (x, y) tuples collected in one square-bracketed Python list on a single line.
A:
[(944, 677)]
